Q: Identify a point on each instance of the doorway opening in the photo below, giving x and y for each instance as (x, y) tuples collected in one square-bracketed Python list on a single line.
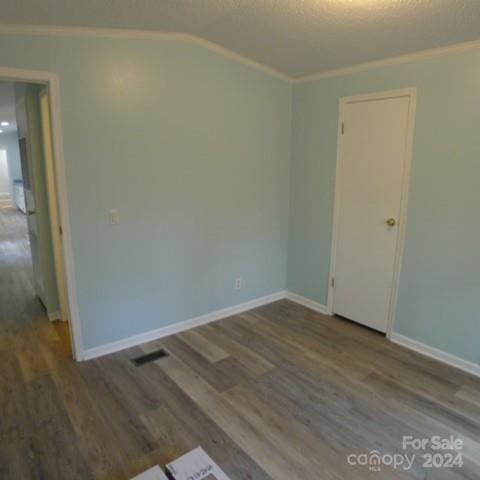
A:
[(5, 195), (35, 320)]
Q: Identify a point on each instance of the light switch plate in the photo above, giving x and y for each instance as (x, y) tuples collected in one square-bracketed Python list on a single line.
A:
[(114, 217)]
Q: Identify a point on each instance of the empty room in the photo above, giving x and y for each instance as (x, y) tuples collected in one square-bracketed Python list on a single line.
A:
[(239, 239)]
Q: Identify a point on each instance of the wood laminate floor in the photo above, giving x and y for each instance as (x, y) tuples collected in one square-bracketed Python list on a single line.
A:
[(278, 393)]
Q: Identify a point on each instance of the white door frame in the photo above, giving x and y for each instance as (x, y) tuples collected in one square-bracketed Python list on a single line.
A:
[(402, 221), (50, 79), (55, 224)]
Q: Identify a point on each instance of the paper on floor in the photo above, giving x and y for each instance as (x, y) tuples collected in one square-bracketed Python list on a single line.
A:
[(195, 465), (151, 474)]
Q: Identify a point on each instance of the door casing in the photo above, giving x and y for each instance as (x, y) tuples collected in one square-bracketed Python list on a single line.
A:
[(406, 92), (55, 225), (51, 81)]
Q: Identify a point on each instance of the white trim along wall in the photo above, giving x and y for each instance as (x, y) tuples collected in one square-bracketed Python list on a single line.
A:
[(198, 321), (151, 34), (436, 353), (158, 333), (181, 326), (136, 35), (306, 302)]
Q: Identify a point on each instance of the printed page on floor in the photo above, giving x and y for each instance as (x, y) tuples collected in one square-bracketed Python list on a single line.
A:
[(151, 474), (196, 465)]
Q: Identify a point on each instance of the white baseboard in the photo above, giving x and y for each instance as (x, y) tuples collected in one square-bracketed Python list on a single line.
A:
[(179, 326), (53, 316), (306, 302), (437, 354), (432, 352)]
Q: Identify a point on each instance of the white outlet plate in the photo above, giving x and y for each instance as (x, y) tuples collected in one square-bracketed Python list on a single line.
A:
[(238, 283)]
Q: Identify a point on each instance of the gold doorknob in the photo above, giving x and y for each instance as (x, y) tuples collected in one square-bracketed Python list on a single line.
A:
[(391, 222)]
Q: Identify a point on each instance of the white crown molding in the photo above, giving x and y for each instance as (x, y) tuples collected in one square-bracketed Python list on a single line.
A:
[(118, 33), (306, 302), (409, 57), (180, 326), (436, 353)]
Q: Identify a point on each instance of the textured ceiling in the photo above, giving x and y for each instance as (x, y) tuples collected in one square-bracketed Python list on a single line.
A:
[(296, 37)]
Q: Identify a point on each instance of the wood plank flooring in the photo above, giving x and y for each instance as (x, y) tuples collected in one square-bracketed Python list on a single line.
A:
[(276, 393)]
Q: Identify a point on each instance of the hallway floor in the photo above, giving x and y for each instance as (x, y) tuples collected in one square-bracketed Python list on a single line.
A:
[(27, 337)]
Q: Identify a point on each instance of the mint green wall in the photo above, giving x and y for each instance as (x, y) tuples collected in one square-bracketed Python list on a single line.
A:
[(193, 149), (439, 299)]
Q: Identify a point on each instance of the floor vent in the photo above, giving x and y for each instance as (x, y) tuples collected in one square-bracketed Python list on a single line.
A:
[(149, 357)]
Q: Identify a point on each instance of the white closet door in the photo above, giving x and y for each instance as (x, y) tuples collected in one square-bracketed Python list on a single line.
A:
[(371, 170)]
